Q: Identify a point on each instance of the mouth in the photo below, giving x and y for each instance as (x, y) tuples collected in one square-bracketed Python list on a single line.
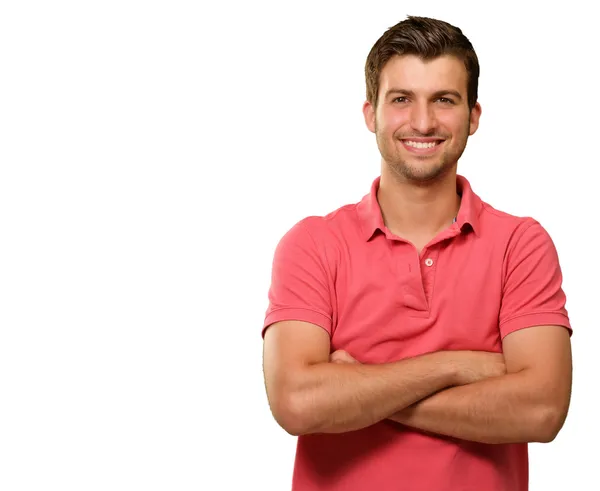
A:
[(422, 147)]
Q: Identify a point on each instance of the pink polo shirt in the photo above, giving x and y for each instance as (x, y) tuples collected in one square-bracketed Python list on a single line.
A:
[(487, 275)]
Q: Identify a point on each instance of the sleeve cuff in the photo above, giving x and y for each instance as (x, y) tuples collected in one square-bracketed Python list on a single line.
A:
[(305, 315), (535, 319)]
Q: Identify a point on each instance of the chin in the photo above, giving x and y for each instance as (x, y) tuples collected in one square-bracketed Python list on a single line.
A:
[(420, 173)]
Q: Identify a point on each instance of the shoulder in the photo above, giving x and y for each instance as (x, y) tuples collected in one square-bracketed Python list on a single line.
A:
[(512, 228), (499, 218), (328, 230), (522, 243)]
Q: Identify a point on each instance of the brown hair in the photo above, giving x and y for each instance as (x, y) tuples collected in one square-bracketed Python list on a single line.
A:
[(428, 39)]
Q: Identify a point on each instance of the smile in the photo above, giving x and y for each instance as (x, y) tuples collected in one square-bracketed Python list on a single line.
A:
[(421, 147)]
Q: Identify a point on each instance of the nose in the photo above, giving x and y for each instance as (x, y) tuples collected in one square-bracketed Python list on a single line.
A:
[(422, 118)]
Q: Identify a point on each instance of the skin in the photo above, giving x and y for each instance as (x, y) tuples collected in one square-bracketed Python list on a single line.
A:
[(400, 115)]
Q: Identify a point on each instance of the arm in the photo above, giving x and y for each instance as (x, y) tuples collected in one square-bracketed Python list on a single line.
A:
[(308, 394), (528, 404)]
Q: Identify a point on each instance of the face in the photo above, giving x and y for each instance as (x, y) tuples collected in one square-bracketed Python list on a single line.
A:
[(422, 119)]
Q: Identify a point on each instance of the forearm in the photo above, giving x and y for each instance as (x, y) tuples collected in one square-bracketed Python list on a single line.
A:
[(505, 409), (334, 398)]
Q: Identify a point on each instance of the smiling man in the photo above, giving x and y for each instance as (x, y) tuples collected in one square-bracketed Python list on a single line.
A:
[(418, 339)]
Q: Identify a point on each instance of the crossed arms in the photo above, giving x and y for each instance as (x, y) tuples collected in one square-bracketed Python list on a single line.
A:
[(521, 395)]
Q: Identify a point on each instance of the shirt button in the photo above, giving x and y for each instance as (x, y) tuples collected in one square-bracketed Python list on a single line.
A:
[(428, 261)]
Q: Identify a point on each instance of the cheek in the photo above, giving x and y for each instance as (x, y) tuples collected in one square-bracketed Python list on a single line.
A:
[(458, 128), (389, 121)]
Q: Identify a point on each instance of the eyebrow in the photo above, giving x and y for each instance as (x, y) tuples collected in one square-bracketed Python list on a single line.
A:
[(439, 93)]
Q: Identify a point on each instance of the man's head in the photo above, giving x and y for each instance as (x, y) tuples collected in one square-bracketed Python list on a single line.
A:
[(421, 78)]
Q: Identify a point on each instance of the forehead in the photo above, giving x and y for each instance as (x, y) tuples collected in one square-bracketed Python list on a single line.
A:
[(409, 72)]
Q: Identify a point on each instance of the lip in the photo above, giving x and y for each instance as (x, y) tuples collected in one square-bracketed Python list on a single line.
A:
[(423, 151)]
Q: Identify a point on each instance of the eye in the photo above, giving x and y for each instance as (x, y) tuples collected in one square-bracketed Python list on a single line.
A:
[(399, 99), (445, 100)]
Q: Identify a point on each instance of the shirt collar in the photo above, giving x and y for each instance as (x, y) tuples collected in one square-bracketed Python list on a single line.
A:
[(369, 212)]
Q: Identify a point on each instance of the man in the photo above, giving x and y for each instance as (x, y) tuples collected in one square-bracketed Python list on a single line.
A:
[(417, 340)]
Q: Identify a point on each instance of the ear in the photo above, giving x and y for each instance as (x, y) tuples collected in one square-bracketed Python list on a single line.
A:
[(369, 114), (474, 118)]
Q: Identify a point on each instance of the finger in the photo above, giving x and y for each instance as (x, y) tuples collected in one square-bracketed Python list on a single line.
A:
[(343, 357), (339, 356)]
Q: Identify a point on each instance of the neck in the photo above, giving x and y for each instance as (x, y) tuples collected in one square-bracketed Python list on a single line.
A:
[(418, 209)]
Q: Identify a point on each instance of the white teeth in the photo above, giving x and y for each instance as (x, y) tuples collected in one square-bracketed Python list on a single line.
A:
[(419, 144)]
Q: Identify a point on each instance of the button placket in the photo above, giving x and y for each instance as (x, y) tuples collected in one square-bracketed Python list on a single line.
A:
[(428, 271)]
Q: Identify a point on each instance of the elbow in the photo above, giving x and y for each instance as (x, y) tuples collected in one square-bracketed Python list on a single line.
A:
[(550, 422), (291, 415), (292, 423)]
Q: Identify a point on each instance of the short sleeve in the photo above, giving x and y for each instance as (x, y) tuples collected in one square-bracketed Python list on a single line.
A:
[(301, 283), (532, 291)]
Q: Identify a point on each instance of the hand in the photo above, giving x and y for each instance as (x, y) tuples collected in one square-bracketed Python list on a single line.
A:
[(341, 356), (473, 366)]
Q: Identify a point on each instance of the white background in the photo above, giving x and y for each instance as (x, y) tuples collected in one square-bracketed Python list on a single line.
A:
[(151, 156)]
